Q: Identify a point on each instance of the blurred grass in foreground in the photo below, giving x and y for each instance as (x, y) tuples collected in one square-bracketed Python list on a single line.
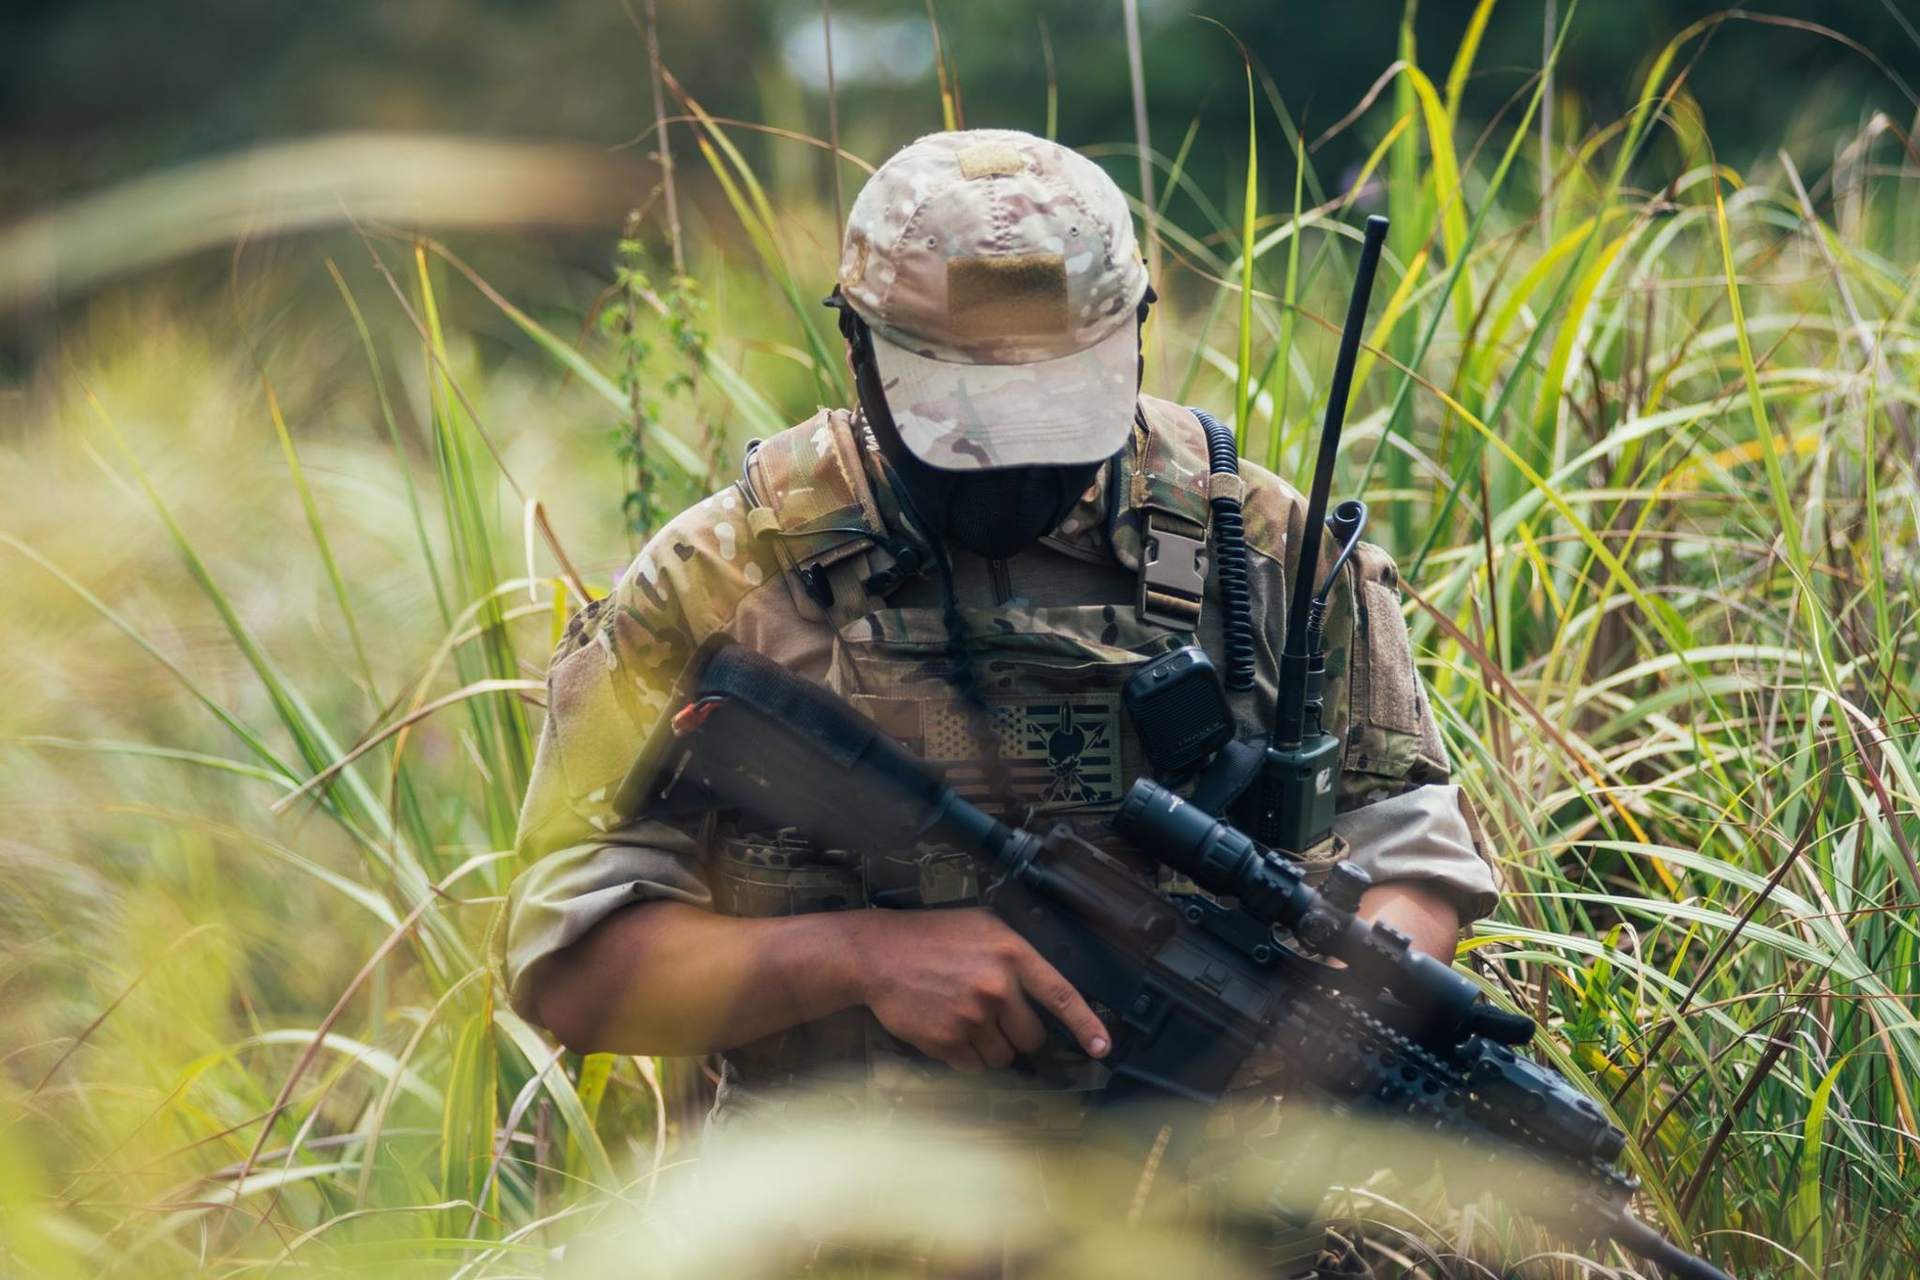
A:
[(1645, 445)]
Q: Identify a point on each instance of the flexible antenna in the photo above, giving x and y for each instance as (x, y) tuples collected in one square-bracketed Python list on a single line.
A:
[(1290, 712)]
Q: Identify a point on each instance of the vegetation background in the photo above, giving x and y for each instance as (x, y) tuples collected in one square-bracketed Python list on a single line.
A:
[(344, 349)]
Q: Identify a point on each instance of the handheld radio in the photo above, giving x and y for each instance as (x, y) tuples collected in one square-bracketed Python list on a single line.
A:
[(1279, 789), (1289, 807)]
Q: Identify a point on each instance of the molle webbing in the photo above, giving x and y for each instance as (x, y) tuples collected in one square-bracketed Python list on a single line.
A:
[(808, 492)]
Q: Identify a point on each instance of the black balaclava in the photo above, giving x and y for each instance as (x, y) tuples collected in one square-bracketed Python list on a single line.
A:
[(992, 513)]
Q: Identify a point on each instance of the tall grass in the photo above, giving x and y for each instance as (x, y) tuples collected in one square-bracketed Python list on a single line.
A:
[(279, 593)]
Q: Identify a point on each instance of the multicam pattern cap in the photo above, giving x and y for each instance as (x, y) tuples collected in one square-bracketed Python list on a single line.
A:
[(999, 274)]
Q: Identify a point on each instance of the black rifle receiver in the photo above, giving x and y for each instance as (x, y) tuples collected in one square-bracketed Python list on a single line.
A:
[(1289, 804), (1196, 988)]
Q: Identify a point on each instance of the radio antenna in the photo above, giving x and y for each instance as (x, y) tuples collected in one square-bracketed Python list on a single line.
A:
[(1290, 712)]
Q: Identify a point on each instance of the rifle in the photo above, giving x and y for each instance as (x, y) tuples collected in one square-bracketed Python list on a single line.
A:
[(1196, 987)]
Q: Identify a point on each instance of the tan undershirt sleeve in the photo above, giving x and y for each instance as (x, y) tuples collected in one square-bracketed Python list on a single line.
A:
[(559, 899), (1422, 834), (584, 848)]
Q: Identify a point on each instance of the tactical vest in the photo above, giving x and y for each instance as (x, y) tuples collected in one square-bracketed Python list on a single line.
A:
[(1050, 677)]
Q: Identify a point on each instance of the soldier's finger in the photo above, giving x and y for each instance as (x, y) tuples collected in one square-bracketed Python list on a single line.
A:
[(1022, 1026), (992, 1046), (960, 1055), (1056, 995)]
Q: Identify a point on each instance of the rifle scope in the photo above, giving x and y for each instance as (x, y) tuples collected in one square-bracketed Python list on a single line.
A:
[(1219, 857), (1227, 862)]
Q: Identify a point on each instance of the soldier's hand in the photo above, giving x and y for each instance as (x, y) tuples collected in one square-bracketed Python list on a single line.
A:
[(962, 987)]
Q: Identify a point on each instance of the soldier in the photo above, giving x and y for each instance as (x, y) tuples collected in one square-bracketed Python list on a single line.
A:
[(961, 557)]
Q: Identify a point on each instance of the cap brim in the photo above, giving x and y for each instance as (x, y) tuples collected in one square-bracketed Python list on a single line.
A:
[(976, 417)]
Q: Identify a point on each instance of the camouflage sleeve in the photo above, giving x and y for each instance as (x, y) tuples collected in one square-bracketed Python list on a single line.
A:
[(612, 685), (1398, 811), (609, 685)]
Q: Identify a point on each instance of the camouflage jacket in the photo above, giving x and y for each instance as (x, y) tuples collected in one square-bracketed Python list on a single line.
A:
[(801, 560)]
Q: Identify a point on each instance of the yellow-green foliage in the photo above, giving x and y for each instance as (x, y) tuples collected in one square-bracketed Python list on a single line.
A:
[(282, 566)]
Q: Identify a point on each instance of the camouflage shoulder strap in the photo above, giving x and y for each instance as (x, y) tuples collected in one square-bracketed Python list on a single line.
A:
[(1161, 527), (807, 495)]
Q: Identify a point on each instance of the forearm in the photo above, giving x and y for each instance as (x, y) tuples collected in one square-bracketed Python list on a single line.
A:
[(668, 978), (1428, 918)]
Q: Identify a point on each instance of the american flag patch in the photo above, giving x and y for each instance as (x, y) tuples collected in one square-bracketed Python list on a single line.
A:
[(1058, 752)]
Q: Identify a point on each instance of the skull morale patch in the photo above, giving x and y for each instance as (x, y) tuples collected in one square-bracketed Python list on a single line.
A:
[(1058, 752)]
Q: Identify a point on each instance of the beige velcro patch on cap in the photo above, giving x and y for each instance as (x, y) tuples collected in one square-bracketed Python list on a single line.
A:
[(1007, 295), (991, 160)]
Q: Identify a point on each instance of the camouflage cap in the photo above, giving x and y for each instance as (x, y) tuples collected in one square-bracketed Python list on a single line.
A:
[(999, 275)]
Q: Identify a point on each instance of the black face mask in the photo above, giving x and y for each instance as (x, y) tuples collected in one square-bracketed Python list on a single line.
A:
[(990, 513), (996, 513)]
